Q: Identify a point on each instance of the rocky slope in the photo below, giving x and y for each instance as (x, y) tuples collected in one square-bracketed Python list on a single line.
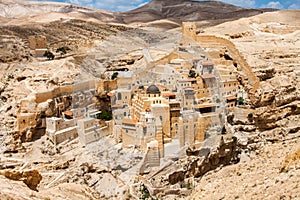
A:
[(269, 42), (269, 133), (260, 177)]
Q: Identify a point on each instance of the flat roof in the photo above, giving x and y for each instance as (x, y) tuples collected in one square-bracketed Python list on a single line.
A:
[(207, 63), (117, 106), (187, 80), (86, 119), (231, 98), (168, 94), (69, 113), (129, 121), (208, 76), (208, 105)]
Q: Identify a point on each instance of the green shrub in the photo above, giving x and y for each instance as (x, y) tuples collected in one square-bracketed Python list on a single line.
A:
[(105, 115), (49, 55), (234, 138), (114, 75)]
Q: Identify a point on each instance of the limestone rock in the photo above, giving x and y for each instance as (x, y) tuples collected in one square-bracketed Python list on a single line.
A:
[(31, 178)]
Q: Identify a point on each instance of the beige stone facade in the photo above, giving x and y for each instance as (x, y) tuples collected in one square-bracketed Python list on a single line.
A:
[(60, 130), (90, 131), (38, 44), (189, 30)]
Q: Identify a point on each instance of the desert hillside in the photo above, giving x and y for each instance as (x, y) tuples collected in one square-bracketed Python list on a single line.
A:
[(270, 168), (187, 10), (253, 155)]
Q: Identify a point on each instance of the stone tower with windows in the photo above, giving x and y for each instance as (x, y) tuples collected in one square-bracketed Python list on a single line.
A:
[(189, 30)]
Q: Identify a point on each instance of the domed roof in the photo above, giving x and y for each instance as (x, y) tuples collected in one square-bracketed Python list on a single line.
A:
[(153, 89)]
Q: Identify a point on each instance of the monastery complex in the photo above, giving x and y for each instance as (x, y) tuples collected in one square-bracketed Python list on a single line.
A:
[(176, 101)]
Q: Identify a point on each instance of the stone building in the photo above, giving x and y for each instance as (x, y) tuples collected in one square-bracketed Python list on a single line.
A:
[(229, 87), (60, 130), (38, 44), (189, 30), (90, 131), (140, 133), (152, 157)]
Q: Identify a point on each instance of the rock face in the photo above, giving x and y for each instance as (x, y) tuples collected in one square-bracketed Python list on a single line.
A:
[(272, 172), (268, 131), (31, 178), (178, 178), (196, 166)]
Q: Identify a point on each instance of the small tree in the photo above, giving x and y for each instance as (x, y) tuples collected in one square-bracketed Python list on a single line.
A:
[(223, 130), (234, 138), (49, 55), (62, 50), (114, 75), (192, 74), (241, 101), (250, 117), (105, 115)]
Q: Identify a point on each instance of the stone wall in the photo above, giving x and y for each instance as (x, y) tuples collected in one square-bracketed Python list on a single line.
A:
[(162, 111), (64, 135), (105, 86), (64, 90), (211, 41), (37, 42)]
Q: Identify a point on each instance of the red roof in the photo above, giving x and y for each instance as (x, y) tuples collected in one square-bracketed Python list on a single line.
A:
[(111, 94)]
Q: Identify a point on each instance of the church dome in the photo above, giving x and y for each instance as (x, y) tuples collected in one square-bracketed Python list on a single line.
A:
[(153, 89)]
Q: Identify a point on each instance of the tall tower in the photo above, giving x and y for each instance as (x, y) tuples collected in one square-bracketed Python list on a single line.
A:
[(160, 138), (189, 30)]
